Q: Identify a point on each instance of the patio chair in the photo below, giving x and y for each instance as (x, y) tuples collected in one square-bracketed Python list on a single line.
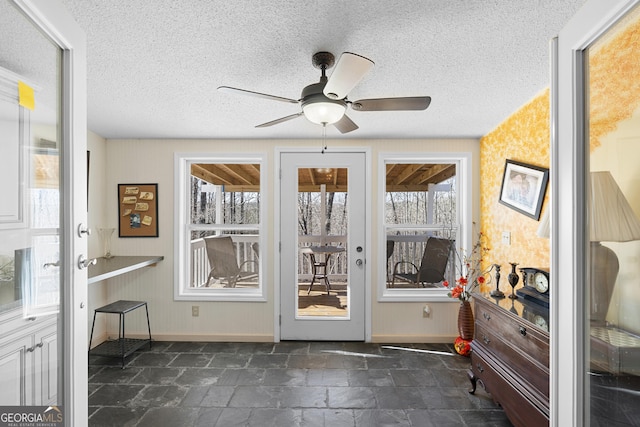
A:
[(318, 268), (432, 266), (224, 263)]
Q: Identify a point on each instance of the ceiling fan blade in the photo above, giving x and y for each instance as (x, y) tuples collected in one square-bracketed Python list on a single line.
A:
[(280, 120), (348, 72), (233, 90), (345, 125), (392, 104)]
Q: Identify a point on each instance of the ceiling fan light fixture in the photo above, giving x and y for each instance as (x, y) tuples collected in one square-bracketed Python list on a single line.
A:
[(324, 111), (325, 102)]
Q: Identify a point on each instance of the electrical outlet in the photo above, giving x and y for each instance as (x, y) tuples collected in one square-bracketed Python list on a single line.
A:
[(195, 310), (426, 311), (506, 238)]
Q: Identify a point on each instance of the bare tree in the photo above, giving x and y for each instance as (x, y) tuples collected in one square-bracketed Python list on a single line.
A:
[(327, 226), (305, 213)]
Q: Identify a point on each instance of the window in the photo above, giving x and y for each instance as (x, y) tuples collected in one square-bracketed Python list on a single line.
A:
[(422, 198), (219, 206)]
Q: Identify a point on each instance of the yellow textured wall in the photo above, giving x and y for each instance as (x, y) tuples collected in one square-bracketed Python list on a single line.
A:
[(523, 137), (614, 68), (614, 84)]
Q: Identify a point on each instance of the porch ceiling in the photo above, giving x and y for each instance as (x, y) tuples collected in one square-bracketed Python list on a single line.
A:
[(400, 176)]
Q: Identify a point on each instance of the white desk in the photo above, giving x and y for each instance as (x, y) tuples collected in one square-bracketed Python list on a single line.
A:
[(107, 268)]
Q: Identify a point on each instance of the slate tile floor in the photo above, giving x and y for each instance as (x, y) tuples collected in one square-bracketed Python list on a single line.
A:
[(182, 384)]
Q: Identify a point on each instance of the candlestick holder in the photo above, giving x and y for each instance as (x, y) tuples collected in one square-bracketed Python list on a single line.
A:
[(497, 293)]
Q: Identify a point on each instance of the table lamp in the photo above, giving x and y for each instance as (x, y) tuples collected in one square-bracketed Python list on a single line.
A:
[(544, 229), (611, 219)]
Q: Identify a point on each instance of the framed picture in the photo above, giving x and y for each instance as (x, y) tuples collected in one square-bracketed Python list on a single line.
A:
[(138, 210), (523, 188)]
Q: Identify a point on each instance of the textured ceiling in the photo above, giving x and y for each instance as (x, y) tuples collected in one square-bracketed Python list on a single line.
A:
[(154, 66)]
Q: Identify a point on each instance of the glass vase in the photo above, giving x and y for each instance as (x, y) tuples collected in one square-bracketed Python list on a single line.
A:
[(513, 279), (105, 237)]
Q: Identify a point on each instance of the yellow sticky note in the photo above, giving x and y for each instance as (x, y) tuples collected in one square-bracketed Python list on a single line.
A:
[(25, 96)]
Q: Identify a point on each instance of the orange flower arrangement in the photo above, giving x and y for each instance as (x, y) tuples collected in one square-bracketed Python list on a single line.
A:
[(471, 273)]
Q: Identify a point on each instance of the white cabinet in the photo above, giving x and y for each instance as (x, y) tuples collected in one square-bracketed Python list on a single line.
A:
[(28, 360), (14, 383), (46, 365)]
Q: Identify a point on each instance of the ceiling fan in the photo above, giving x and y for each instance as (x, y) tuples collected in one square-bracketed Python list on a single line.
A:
[(326, 102)]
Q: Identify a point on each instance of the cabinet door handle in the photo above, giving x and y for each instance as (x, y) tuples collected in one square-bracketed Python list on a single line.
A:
[(33, 348), (523, 331)]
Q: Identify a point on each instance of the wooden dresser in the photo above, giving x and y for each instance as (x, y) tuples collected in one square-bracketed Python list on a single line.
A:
[(510, 357)]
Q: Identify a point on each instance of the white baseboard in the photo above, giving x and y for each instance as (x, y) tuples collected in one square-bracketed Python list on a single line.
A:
[(193, 337), (412, 339), (386, 339)]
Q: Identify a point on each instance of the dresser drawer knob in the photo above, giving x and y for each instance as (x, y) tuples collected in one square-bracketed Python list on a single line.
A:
[(485, 339), (487, 316), (480, 368), (523, 331)]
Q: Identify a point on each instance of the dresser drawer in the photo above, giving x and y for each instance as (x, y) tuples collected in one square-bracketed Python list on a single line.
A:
[(522, 410), (512, 329), (522, 364)]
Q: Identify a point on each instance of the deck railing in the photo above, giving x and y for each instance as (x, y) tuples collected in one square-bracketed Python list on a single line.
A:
[(244, 248), (406, 248)]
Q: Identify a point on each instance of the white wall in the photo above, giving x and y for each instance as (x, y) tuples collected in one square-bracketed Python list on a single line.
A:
[(151, 161), (97, 215)]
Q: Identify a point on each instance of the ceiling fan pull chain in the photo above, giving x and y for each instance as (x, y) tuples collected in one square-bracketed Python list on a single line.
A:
[(324, 138)]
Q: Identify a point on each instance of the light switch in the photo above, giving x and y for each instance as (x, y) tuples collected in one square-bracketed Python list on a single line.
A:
[(506, 238)]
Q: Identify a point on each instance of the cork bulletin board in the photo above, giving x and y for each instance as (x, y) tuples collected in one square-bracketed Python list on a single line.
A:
[(138, 210)]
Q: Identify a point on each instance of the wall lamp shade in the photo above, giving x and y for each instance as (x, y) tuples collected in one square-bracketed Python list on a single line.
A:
[(323, 111), (611, 219)]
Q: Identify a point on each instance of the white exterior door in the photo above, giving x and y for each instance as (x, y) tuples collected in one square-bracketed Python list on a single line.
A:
[(323, 219), (43, 287)]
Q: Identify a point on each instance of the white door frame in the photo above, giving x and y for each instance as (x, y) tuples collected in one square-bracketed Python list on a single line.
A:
[(53, 19), (569, 169), (277, 230)]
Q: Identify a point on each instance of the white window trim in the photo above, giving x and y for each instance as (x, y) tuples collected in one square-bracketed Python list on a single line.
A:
[(464, 218), (182, 251)]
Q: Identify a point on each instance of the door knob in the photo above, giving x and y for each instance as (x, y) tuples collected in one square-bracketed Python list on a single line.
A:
[(83, 229), (83, 262), (359, 262)]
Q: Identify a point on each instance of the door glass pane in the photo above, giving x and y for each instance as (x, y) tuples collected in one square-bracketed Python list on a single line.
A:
[(30, 244), (613, 225), (323, 288)]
